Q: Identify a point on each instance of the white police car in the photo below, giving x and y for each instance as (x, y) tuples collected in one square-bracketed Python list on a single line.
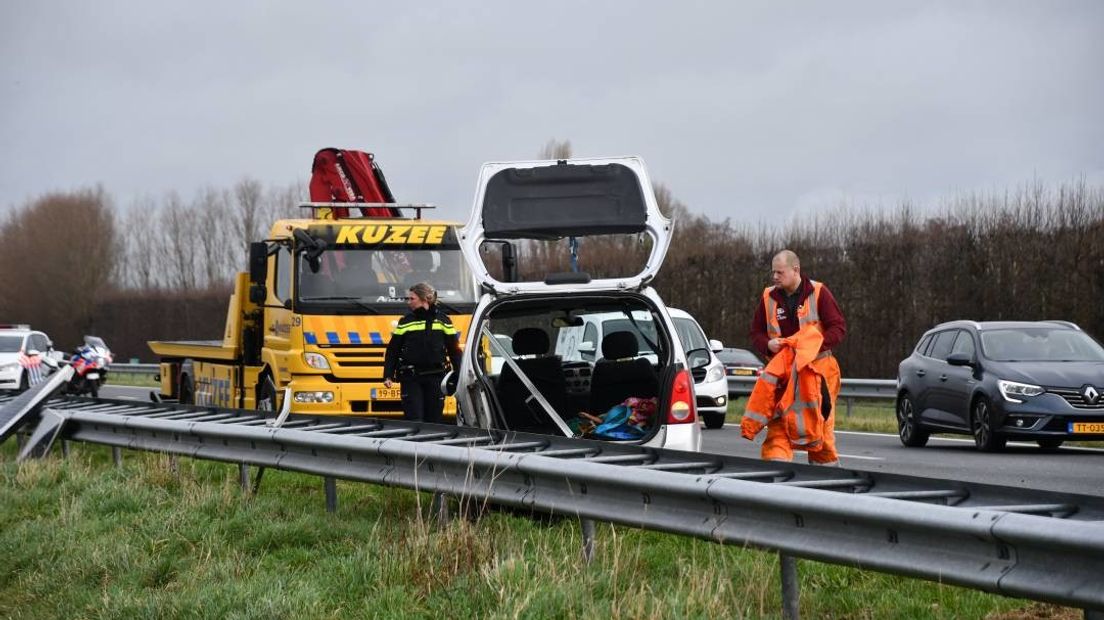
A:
[(643, 369), (26, 357)]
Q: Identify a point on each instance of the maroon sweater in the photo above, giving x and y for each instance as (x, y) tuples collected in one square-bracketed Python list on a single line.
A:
[(832, 322)]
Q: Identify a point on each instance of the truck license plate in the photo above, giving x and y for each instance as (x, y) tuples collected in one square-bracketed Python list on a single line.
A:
[(1084, 428), (386, 393)]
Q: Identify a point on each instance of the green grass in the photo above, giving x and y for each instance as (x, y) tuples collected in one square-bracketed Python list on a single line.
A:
[(82, 539), (871, 416), (132, 379)]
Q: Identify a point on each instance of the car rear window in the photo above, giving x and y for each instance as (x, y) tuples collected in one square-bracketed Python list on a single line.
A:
[(739, 356)]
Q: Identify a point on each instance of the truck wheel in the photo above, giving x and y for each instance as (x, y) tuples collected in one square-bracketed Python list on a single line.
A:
[(187, 393), (266, 395)]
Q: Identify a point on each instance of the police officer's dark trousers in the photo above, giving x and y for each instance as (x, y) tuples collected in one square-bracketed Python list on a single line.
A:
[(422, 399)]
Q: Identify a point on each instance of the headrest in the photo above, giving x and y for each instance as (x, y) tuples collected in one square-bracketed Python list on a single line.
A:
[(530, 341), (619, 345)]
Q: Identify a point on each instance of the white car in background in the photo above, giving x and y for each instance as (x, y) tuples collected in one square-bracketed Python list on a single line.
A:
[(710, 382), (25, 357)]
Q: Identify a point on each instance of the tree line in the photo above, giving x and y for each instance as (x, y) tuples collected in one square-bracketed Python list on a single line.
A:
[(71, 263)]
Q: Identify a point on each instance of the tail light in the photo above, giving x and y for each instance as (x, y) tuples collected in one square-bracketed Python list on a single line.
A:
[(682, 409)]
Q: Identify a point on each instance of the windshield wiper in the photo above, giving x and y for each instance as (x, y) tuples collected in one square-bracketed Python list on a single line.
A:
[(356, 300)]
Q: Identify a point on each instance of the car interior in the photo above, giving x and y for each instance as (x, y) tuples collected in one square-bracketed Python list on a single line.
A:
[(550, 376)]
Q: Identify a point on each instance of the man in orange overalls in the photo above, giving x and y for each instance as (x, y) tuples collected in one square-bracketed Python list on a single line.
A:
[(792, 303)]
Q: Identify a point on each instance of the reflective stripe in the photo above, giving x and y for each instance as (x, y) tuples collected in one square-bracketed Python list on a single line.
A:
[(769, 378), (812, 315), (772, 314), (824, 354), (758, 417), (448, 329)]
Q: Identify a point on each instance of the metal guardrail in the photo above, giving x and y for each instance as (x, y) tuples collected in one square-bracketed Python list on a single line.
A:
[(849, 388), (136, 369), (1027, 543)]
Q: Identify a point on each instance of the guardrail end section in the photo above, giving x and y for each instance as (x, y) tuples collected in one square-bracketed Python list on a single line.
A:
[(23, 407), (49, 427)]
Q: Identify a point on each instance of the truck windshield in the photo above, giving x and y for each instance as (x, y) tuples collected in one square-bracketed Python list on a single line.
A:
[(379, 276)]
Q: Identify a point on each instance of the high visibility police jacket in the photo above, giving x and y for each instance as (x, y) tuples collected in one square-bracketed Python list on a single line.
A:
[(421, 343), (789, 388)]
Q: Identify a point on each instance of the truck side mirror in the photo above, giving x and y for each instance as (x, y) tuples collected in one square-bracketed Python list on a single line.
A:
[(258, 264)]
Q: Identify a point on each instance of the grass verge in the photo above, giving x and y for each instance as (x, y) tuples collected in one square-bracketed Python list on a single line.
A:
[(80, 538)]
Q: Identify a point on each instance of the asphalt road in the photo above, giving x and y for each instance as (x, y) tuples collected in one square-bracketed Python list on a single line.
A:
[(1069, 469), (1072, 470)]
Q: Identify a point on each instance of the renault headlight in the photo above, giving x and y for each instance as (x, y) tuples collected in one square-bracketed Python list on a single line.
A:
[(1013, 391), (316, 361), (716, 373)]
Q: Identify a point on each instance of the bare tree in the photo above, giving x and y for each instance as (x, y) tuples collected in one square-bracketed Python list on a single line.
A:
[(556, 149), (58, 256)]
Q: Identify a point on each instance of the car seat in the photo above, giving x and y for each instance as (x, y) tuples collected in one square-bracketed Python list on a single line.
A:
[(620, 374), (520, 410)]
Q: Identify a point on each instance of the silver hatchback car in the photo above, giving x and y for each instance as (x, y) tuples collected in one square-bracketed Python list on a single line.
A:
[(561, 376)]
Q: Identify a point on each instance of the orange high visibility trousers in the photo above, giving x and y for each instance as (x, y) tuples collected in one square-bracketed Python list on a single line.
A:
[(776, 446)]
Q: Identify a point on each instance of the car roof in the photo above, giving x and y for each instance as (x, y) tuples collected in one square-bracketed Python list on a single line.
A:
[(17, 332), (677, 313), (989, 325)]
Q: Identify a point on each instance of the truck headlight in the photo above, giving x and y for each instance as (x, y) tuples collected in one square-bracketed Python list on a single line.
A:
[(716, 373), (1010, 390), (316, 361), (313, 397)]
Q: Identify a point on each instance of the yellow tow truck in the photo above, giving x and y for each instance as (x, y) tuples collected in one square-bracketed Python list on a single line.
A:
[(311, 319)]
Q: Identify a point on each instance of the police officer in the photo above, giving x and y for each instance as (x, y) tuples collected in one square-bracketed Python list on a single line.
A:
[(422, 343)]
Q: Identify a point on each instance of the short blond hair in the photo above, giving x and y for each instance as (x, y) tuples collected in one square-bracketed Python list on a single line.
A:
[(790, 257)]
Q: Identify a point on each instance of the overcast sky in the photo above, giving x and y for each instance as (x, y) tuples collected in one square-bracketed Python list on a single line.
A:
[(745, 110)]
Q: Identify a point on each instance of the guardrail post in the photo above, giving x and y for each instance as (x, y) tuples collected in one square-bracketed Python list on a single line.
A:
[(243, 477), (330, 484), (587, 527), (19, 441), (64, 448), (117, 456), (790, 588), (848, 414), (441, 508)]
